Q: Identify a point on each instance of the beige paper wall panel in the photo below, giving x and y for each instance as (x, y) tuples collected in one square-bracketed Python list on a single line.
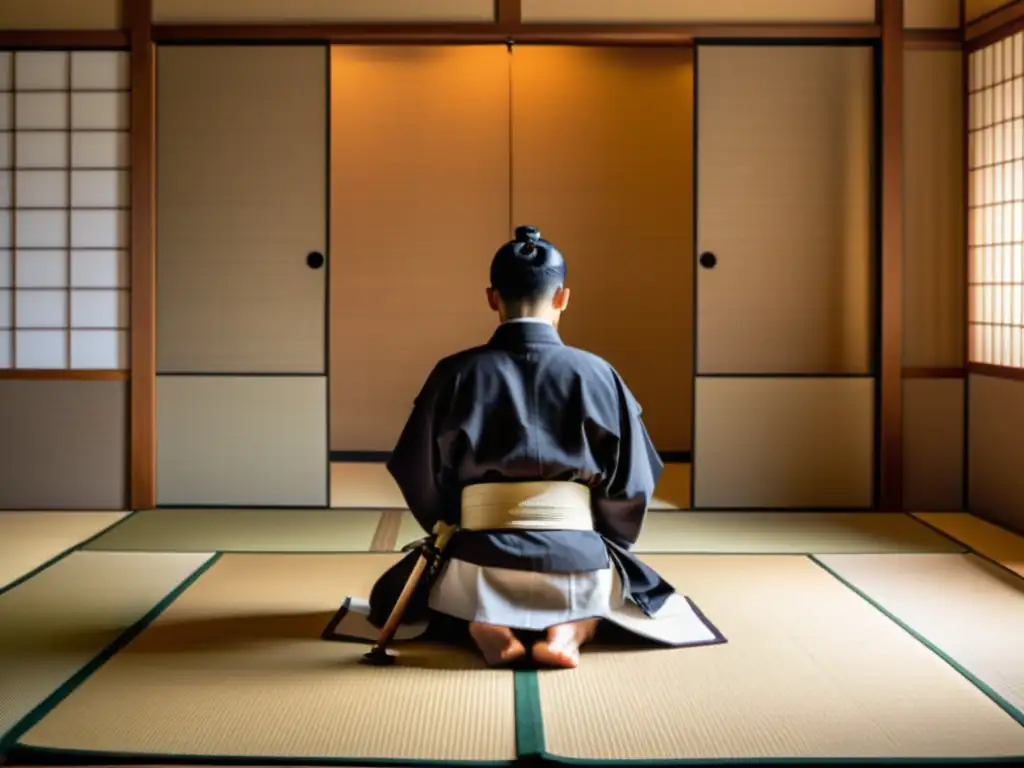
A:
[(419, 204), (318, 11), (933, 209), (241, 200), (61, 14), (602, 162), (784, 443), (63, 444), (784, 191), (700, 11), (931, 14), (933, 444), (995, 459), (977, 8), (242, 440)]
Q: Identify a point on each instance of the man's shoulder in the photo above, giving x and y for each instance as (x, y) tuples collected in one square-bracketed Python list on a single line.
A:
[(587, 365), (458, 362), (590, 360)]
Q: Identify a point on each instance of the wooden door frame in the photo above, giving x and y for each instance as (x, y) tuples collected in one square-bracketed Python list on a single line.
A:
[(139, 36)]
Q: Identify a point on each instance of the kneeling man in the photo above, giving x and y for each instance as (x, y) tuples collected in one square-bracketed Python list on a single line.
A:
[(537, 452)]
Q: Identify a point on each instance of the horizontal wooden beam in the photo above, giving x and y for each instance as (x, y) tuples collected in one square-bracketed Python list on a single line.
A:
[(996, 371), (994, 26), (25, 374), (951, 372), (15, 39), (509, 31), (933, 39)]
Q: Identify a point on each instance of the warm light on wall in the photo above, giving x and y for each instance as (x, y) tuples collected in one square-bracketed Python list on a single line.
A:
[(996, 204)]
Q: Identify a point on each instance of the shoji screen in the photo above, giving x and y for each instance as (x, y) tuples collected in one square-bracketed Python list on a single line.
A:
[(997, 203), (63, 217)]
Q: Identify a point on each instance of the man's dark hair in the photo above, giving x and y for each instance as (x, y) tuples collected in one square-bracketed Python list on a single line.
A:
[(527, 269)]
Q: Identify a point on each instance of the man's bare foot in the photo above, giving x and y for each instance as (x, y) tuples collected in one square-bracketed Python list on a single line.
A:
[(562, 647), (497, 644)]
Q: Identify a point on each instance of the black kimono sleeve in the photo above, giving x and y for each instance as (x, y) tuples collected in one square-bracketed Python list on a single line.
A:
[(416, 463), (620, 503)]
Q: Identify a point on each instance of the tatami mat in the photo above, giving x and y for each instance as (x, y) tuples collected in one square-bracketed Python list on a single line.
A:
[(31, 539), (811, 670), (990, 540), (368, 485), (236, 668), (770, 533), (789, 533), (243, 530), (967, 608), (54, 624)]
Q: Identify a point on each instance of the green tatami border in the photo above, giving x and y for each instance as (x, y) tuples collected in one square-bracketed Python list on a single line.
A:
[(78, 546), (986, 689), (530, 738), (12, 752), (9, 740)]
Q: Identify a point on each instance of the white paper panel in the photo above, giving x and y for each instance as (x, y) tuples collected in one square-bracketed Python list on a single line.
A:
[(42, 269), (41, 229), (99, 309), (99, 269), (99, 70), (40, 349), (41, 110), (6, 154), (40, 309), (5, 349), (41, 70), (99, 189), (99, 149), (6, 319), (99, 229), (6, 227), (5, 71), (6, 190), (99, 110), (42, 189), (42, 150), (99, 350), (6, 111), (6, 264)]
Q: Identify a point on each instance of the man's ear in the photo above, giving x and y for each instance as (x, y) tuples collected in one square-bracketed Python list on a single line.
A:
[(561, 299), (493, 299)]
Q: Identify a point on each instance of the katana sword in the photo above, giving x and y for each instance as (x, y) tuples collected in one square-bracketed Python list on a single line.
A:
[(427, 566)]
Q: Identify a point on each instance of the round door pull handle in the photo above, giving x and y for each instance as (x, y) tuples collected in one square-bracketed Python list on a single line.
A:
[(315, 260), (708, 260)]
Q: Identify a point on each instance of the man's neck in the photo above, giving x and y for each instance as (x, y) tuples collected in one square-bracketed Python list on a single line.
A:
[(527, 319)]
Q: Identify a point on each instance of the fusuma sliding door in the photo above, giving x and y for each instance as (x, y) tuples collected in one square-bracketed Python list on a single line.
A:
[(242, 219), (785, 388)]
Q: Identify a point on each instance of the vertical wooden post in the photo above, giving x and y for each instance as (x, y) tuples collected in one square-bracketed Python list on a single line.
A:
[(142, 137), (508, 14), (890, 444)]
